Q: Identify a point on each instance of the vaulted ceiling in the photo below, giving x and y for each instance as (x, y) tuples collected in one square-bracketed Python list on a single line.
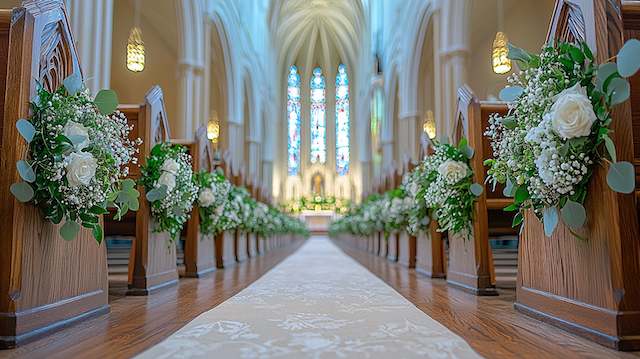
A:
[(316, 32)]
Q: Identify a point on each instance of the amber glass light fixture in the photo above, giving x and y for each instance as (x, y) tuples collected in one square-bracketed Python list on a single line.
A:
[(429, 125), (213, 130), (135, 45), (135, 50), (501, 63)]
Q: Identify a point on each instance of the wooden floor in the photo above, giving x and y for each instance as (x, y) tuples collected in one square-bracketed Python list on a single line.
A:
[(137, 323), (489, 324)]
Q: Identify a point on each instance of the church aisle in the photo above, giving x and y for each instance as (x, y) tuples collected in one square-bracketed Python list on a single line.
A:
[(318, 303)]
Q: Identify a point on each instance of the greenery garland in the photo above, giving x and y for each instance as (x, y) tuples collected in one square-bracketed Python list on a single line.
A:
[(78, 158), (171, 188), (557, 129)]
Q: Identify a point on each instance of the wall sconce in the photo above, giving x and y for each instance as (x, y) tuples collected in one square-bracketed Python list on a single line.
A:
[(429, 125)]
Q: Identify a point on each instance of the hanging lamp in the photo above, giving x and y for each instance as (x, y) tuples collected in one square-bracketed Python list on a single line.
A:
[(135, 45), (499, 56)]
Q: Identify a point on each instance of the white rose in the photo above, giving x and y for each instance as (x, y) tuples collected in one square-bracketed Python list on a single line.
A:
[(572, 114), (73, 129), (167, 179), (453, 171), (170, 165), (81, 168), (206, 197)]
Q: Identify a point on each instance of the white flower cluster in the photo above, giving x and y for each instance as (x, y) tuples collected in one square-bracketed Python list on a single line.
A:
[(535, 144), (177, 175), (91, 167)]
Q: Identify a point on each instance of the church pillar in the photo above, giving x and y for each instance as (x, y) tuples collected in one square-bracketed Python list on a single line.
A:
[(411, 144), (92, 23), (254, 157), (190, 79), (236, 144)]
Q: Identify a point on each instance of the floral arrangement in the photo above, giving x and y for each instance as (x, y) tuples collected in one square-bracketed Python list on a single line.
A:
[(557, 129), (171, 188), (212, 200), (418, 212), (317, 203), (448, 186), (78, 158), (395, 210)]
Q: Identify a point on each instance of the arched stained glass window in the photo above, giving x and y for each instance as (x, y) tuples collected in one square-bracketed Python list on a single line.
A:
[(318, 118), (293, 120), (342, 121)]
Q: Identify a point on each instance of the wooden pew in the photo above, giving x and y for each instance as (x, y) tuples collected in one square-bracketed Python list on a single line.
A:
[(470, 260), (46, 283), (199, 249), (407, 242), (152, 262), (591, 287)]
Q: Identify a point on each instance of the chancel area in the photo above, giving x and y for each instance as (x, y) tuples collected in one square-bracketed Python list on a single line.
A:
[(320, 179)]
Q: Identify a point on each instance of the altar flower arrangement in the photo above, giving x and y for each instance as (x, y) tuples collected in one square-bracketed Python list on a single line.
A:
[(171, 188), (557, 130), (79, 156), (212, 198), (448, 186)]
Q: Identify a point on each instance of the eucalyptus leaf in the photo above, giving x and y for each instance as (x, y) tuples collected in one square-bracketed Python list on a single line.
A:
[(511, 93), (73, 83), (605, 71), (128, 184), (621, 177), (69, 230), (134, 204), (573, 214), (629, 58), (522, 194), (618, 90), (611, 147), (550, 220), (517, 220), (157, 194), (26, 129), (509, 189), (22, 191), (467, 151), (106, 101), (476, 189), (26, 171), (518, 54)]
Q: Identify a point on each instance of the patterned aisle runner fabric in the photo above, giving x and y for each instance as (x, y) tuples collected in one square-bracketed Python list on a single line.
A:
[(318, 303)]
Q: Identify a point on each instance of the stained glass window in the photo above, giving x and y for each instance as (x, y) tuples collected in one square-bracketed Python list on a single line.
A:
[(293, 120), (342, 121), (318, 118)]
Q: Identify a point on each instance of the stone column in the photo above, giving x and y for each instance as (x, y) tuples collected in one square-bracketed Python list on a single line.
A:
[(92, 23)]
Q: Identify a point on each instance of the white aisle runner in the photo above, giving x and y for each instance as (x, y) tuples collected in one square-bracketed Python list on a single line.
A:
[(318, 303)]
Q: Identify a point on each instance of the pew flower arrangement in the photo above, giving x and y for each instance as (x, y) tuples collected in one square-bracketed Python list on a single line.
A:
[(78, 158), (171, 188), (212, 199), (418, 213), (448, 185), (557, 130), (395, 210)]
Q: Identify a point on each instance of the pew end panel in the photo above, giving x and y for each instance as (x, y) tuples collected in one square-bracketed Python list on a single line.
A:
[(46, 283), (590, 287), (199, 250)]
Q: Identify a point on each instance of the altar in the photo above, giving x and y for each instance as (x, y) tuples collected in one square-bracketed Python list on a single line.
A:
[(317, 221)]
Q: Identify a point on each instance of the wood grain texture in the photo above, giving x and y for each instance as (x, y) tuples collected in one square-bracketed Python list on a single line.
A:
[(45, 282), (489, 324), (631, 25), (199, 249), (407, 250), (430, 259), (589, 287), (137, 323)]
